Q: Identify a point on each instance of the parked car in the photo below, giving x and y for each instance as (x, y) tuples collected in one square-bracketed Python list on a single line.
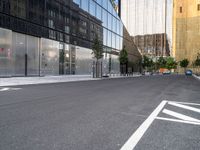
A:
[(167, 72), (188, 72)]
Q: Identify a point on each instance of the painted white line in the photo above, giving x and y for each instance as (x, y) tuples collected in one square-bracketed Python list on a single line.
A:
[(184, 106), (9, 89), (187, 103), (4, 89), (180, 116), (135, 138), (176, 120)]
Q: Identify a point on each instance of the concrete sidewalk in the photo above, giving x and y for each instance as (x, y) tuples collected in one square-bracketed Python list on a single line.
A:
[(15, 81)]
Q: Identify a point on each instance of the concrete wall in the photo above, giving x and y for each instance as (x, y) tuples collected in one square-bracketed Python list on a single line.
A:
[(186, 30)]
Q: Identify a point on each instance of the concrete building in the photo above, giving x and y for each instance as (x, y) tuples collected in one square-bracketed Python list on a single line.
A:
[(186, 30), (150, 19), (152, 45), (47, 37)]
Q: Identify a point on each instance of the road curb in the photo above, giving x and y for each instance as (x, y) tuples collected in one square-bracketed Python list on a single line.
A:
[(122, 77), (196, 77)]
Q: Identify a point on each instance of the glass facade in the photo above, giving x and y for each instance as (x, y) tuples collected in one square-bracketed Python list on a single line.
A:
[(6, 60), (104, 11), (45, 37)]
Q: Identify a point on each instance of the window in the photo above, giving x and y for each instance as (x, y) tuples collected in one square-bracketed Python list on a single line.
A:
[(60, 36), (52, 34), (77, 2), (109, 21), (98, 12), (104, 36), (113, 40), (83, 23), (85, 5), (99, 2), (104, 18), (181, 9), (109, 39), (51, 23), (67, 29), (67, 38), (114, 26), (198, 7), (105, 4), (92, 8)]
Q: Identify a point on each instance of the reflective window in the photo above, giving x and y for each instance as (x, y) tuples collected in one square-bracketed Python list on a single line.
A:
[(6, 52), (85, 5), (99, 1), (118, 31), (67, 30), (109, 21), (77, 2), (121, 28), (109, 42), (113, 40), (114, 26), (98, 12), (105, 4), (120, 43), (92, 7), (117, 42), (104, 36), (104, 18), (110, 7)]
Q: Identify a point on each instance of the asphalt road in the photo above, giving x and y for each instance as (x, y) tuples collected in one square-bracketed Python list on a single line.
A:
[(98, 115)]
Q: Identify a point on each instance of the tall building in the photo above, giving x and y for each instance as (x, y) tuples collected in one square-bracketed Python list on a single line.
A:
[(152, 45), (48, 37), (186, 30), (147, 18)]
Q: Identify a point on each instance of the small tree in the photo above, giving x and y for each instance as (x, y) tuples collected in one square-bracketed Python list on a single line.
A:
[(161, 62), (147, 63), (184, 63), (171, 63), (197, 61), (123, 59), (97, 51)]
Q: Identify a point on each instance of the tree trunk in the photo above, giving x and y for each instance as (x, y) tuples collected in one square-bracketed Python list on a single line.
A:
[(97, 69)]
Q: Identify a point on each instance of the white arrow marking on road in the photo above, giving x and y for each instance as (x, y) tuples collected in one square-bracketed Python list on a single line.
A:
[(180, 116), (184, 106)]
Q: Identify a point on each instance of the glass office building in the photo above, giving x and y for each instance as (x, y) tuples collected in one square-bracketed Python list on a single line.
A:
[(55, 37)]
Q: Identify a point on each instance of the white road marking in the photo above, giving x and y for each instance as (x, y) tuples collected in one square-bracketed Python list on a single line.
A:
[(195, 104), (176, 120), (135, 138), (180, 116), (9, 89), (4, 89), (184, 106)]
